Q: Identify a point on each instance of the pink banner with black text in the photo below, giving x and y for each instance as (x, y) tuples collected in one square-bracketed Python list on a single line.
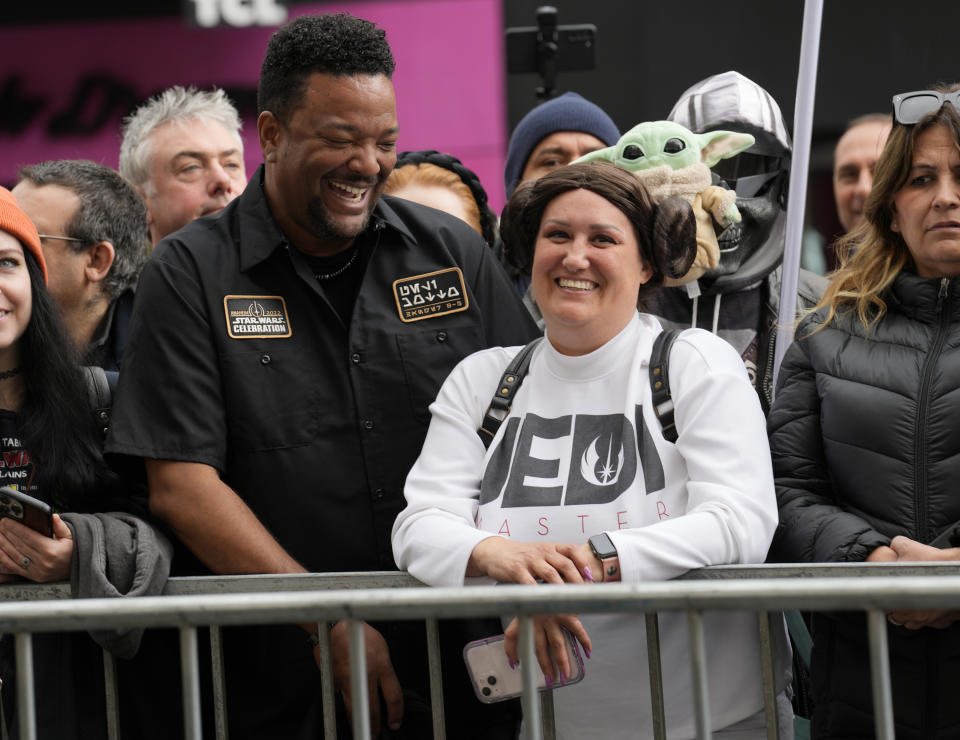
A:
[(65, 88)]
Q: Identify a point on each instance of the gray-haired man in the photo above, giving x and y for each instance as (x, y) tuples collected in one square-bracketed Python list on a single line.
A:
[(182, 150)]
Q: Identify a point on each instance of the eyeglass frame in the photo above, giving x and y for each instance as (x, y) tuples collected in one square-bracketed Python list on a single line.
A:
[(85, 242), (898, 100)]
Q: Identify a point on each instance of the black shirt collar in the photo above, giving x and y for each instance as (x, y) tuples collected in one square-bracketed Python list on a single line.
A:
[(102, 332), (259, 235)]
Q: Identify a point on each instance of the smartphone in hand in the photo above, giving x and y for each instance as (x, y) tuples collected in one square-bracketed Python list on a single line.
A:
[(494, 680), (27, 510)]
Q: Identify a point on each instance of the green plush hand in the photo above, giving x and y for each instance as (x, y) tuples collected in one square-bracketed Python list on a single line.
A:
[(732, 214)]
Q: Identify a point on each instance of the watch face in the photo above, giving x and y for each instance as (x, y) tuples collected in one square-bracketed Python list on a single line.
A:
[(602, 546)]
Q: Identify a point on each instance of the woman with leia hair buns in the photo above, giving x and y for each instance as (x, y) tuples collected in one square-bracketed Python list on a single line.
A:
[(579, 485)]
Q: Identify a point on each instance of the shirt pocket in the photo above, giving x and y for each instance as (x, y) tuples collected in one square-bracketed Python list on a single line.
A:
[(428, 356), (270, 405)]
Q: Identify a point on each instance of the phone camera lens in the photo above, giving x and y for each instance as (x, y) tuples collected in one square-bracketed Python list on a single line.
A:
[(16, 509), (492, 680), (486, 691)]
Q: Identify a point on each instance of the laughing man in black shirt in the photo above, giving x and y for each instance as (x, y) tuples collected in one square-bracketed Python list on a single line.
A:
[(282, 356)]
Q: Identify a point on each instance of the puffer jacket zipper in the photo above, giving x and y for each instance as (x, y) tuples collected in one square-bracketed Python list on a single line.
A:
[(920, 429)]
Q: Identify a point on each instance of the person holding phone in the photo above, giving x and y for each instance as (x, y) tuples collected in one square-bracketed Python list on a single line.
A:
[(42, 405), (579, 485), (50, 443), (863, 431)]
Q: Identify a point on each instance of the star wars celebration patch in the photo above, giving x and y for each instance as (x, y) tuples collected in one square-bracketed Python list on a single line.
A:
[(256, 316), (433, 294)]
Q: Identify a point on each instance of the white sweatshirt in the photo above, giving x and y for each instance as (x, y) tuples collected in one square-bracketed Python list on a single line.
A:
[(582, 452)]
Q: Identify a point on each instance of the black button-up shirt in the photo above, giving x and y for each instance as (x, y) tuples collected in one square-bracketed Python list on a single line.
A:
[(236, 359)]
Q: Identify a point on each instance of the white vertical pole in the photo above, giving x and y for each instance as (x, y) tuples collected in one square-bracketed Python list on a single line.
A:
[(802, 133)]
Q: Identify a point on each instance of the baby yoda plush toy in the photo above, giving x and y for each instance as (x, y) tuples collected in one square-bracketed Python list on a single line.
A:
[(672, 160)]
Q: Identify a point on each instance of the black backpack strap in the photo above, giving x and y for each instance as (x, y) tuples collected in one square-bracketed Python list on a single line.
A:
[(100, 387), (660, 383), (510, 382)]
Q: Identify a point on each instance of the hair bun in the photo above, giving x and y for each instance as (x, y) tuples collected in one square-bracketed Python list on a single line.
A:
[(674, 237)]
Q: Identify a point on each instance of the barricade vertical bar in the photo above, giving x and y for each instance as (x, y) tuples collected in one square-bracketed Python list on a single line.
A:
[(698, 656), (26, 709), (767, 672), (219, 683), (110, 687), (546, 711), (880, 674), (436, 679), (655, 667), (190, 676), (327, 691), (530, 702), (358, 680)]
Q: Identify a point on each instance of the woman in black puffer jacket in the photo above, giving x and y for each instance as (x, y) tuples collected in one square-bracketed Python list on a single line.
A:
[(865, 429)]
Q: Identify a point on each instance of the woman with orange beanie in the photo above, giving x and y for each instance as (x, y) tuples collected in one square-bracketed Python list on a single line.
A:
[(50, 446)]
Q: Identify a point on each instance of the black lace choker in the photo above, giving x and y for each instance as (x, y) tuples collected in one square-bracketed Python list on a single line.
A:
[(10, 373)]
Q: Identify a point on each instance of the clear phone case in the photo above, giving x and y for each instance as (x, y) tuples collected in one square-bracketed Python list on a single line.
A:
[(494, 680)]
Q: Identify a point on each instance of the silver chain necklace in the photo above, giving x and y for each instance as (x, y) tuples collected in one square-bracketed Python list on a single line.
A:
[(339, 270)]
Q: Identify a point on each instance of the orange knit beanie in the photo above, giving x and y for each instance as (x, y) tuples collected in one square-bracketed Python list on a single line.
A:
[(16, 223)]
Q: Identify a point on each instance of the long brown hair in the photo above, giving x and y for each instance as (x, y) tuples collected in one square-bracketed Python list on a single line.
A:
[(872, 254)]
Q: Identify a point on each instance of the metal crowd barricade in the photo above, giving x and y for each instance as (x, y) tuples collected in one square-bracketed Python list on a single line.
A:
[(200, 602)]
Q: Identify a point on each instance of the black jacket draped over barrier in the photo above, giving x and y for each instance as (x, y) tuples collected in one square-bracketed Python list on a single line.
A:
[(865, 438)]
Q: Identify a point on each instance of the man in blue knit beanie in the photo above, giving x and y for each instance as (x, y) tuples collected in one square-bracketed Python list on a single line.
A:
[(554, 134)]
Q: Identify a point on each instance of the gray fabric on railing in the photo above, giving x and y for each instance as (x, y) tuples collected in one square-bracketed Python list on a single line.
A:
[(117, 554)]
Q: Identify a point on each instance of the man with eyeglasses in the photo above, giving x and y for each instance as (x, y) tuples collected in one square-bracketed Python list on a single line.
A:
[(93, 231)]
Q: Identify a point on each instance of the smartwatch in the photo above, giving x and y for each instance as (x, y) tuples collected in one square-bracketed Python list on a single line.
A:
[(606, 553)]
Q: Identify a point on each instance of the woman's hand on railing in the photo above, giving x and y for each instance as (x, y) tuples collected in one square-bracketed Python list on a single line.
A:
[(907, 550), (507, 561), (550, 644), (381, 677), (36, 557), (883, 554)]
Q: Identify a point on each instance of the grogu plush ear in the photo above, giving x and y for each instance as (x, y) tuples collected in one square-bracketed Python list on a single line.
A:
[(717, 145), (599, 155)]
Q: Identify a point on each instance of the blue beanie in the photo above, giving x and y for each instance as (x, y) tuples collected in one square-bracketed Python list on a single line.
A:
[(569, 112)]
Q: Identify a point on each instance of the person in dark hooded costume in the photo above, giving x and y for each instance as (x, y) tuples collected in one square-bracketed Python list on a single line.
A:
[(739, 299)]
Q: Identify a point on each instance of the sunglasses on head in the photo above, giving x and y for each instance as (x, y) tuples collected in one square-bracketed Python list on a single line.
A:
[(908, 108)]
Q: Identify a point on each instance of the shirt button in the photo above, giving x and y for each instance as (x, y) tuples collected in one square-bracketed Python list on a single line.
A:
[(355, 358), (441, 336), (378, 494), (264, 359), (368, 424)]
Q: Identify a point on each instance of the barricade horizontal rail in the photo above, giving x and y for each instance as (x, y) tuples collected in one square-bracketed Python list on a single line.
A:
[(273, 607), (209, 585), (189, 603)]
